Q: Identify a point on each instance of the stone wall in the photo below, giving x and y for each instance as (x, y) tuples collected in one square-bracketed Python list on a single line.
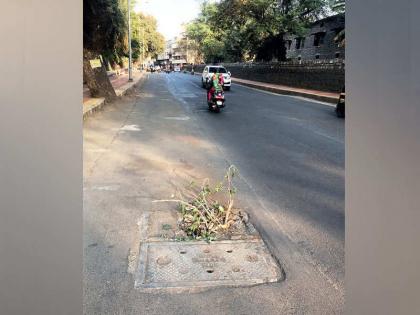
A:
[(320, 76)]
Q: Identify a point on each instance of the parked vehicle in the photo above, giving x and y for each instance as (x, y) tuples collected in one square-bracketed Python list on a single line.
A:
[(217, 101), (177, 69), (340, 107), (208, 72)]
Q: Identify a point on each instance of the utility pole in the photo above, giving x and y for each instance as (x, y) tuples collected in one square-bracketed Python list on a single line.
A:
[(143, 47), (130, 65), (186, 61)]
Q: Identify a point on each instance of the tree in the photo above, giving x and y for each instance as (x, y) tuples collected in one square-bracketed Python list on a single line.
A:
[(237, 30), (104, 32), (105, 36), (146, 36), (339, 6)]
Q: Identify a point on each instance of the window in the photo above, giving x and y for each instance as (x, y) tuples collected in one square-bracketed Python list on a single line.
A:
[(319, 38), (337, 55), (317, 56), (217, 70), (300, 42), (289, 44)]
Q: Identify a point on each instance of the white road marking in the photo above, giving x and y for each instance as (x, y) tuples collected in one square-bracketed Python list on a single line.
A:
[(178, 118), (106, 188), (128, 128)]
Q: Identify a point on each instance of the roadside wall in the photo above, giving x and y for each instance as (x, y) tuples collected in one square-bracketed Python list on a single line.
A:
[(322, 76)]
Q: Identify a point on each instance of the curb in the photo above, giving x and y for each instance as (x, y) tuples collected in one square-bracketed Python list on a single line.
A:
[(322, 98), (92, 105), (95, 104)]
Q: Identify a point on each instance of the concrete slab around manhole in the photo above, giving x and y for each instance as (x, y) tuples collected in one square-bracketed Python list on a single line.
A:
[(200, 265)]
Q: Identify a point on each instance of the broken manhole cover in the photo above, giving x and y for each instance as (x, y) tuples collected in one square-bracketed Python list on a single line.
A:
[(199, 264)]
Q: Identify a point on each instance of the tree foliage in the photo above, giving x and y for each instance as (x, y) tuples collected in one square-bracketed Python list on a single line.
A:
[(105, 31), (339, 6), (237, 30), (104, 27), (145, 36)]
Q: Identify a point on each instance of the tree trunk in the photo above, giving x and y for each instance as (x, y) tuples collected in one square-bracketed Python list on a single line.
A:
[(97, 79), (282, 51)]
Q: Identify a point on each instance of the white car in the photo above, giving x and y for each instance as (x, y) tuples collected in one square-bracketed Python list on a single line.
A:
[(177, 69), (210, 70)]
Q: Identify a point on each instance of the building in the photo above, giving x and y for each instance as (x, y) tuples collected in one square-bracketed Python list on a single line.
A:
[(166, 57), (179, 54), (319, 42), (174, 54)]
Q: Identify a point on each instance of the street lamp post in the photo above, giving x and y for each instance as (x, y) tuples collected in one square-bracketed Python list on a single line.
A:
[(186, 61), (130, 65), (143, 46)]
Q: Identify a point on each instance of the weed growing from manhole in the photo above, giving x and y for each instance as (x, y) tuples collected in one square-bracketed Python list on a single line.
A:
[(203, 216)]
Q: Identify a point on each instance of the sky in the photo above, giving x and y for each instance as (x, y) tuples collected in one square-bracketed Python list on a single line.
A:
[(170, 14)]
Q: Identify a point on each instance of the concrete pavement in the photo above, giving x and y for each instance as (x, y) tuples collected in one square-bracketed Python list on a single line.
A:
[(290, 153)]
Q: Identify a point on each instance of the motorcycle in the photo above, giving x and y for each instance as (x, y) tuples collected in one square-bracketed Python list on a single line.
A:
[(217, 101)]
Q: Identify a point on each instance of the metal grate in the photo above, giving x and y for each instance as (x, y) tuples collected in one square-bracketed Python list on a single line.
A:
[(198, 264)]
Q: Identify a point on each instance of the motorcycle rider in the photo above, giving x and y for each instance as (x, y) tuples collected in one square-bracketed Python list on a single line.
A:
[(216, 85)]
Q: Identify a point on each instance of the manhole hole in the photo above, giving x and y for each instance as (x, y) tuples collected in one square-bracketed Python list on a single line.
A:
[(199, 264), (163, 261)]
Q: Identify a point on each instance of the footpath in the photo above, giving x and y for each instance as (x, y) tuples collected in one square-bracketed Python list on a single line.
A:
[(329, 97), (120, 84)]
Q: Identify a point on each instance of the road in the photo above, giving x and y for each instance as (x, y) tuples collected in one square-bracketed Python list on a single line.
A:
[(290, 155)]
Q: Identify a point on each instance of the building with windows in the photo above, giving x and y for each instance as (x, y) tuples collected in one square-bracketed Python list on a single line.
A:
[(318, 42), (174, 54), (179, 54)]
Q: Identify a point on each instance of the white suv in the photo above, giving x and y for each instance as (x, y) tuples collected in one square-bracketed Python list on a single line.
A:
[(210, 70)]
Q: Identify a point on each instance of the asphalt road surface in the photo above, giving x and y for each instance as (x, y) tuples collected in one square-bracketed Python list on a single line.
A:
[(290, 155)]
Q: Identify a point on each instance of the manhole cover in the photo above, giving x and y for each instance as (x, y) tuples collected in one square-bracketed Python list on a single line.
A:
[(199, 264)]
